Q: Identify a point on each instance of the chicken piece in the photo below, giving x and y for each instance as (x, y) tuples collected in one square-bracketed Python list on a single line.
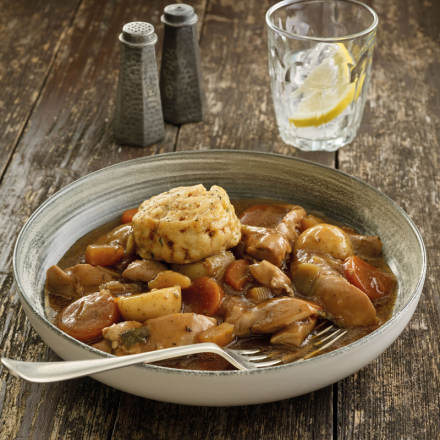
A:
[(214, 266), (114, 335), (61, 283), (143, 270), (284, 218), (125, 262), (348, 305), (117, 288), (327, 264), (186, 224), (176, 330), (365, 246), (88, 278), (270, 276), (296, 334), (265, 244), (325, 239), (104, 345), (119, 236), (164, 332), (266, 317)]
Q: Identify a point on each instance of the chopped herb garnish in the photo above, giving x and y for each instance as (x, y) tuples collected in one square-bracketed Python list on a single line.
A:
[(188, 329), (160, 241), (136, 336), (152, 255)]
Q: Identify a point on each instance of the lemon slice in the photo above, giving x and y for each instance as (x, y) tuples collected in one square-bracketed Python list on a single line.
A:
[(326, 92)]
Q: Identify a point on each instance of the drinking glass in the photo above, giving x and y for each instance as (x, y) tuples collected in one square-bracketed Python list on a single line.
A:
[(320, 54)]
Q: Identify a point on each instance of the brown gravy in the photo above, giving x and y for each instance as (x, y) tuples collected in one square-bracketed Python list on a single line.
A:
[(384, 308)]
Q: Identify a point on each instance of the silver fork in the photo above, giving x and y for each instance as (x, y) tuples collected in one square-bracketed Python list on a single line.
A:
[(328, 335), (44, 372)]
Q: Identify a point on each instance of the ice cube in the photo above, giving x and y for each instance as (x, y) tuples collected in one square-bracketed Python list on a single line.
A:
[(296, 74), (313, 57), (299, 27)]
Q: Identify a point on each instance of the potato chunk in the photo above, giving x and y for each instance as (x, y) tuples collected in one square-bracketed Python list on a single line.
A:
[(151, 304), (325, 239), (186, 224)]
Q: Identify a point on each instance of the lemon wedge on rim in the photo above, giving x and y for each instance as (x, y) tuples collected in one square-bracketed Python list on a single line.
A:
[(326, 92)]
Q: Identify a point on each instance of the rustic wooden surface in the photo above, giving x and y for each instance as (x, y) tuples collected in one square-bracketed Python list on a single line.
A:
[(58, 71)]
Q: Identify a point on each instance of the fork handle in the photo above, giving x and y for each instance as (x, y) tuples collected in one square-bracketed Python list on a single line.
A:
[(44, 372)]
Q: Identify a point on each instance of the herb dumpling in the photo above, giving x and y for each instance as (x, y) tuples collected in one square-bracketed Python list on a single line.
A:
[(186, 224)]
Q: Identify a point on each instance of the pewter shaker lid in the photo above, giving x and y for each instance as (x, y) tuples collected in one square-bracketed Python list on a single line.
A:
[(179, 15), (138, 33)]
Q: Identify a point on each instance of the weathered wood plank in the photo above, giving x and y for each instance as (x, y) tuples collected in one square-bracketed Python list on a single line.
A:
[(68, 135), (240, 109), (305, 417), (31, 33), (397, 396)]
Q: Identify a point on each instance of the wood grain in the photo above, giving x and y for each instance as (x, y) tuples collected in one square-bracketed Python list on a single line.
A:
[(305, 417), (397, 396), (235, 70), (31, 33), (67, 136)]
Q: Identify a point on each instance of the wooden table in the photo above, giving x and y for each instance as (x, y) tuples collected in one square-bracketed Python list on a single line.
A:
[(58, 76)]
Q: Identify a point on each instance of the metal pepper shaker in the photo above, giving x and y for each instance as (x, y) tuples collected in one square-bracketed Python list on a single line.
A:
[(181, 83), (138, 116)]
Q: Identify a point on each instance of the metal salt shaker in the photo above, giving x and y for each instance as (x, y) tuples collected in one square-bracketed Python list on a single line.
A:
[(181, 83), (138, 116)]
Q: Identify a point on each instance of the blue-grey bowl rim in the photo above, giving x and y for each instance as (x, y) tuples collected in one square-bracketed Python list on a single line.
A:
[(292, 365)]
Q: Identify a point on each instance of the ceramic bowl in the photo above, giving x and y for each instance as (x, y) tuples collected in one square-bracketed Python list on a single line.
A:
[(102, 196)]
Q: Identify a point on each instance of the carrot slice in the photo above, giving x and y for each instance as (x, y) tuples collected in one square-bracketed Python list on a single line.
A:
[(237, 274), (204, 296), (85, 318), (128, 215), (222, 334), (103, 254), (372, 281)]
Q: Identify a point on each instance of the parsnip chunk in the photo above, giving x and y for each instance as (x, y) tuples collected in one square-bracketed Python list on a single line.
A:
[(168, 278), (151, 304)]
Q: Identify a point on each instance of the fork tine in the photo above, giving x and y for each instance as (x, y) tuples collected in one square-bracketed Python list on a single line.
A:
[(266, 364), (320, 325), (325, 346), (324, 331), (249, 351), (256, 358), (329, 336)]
